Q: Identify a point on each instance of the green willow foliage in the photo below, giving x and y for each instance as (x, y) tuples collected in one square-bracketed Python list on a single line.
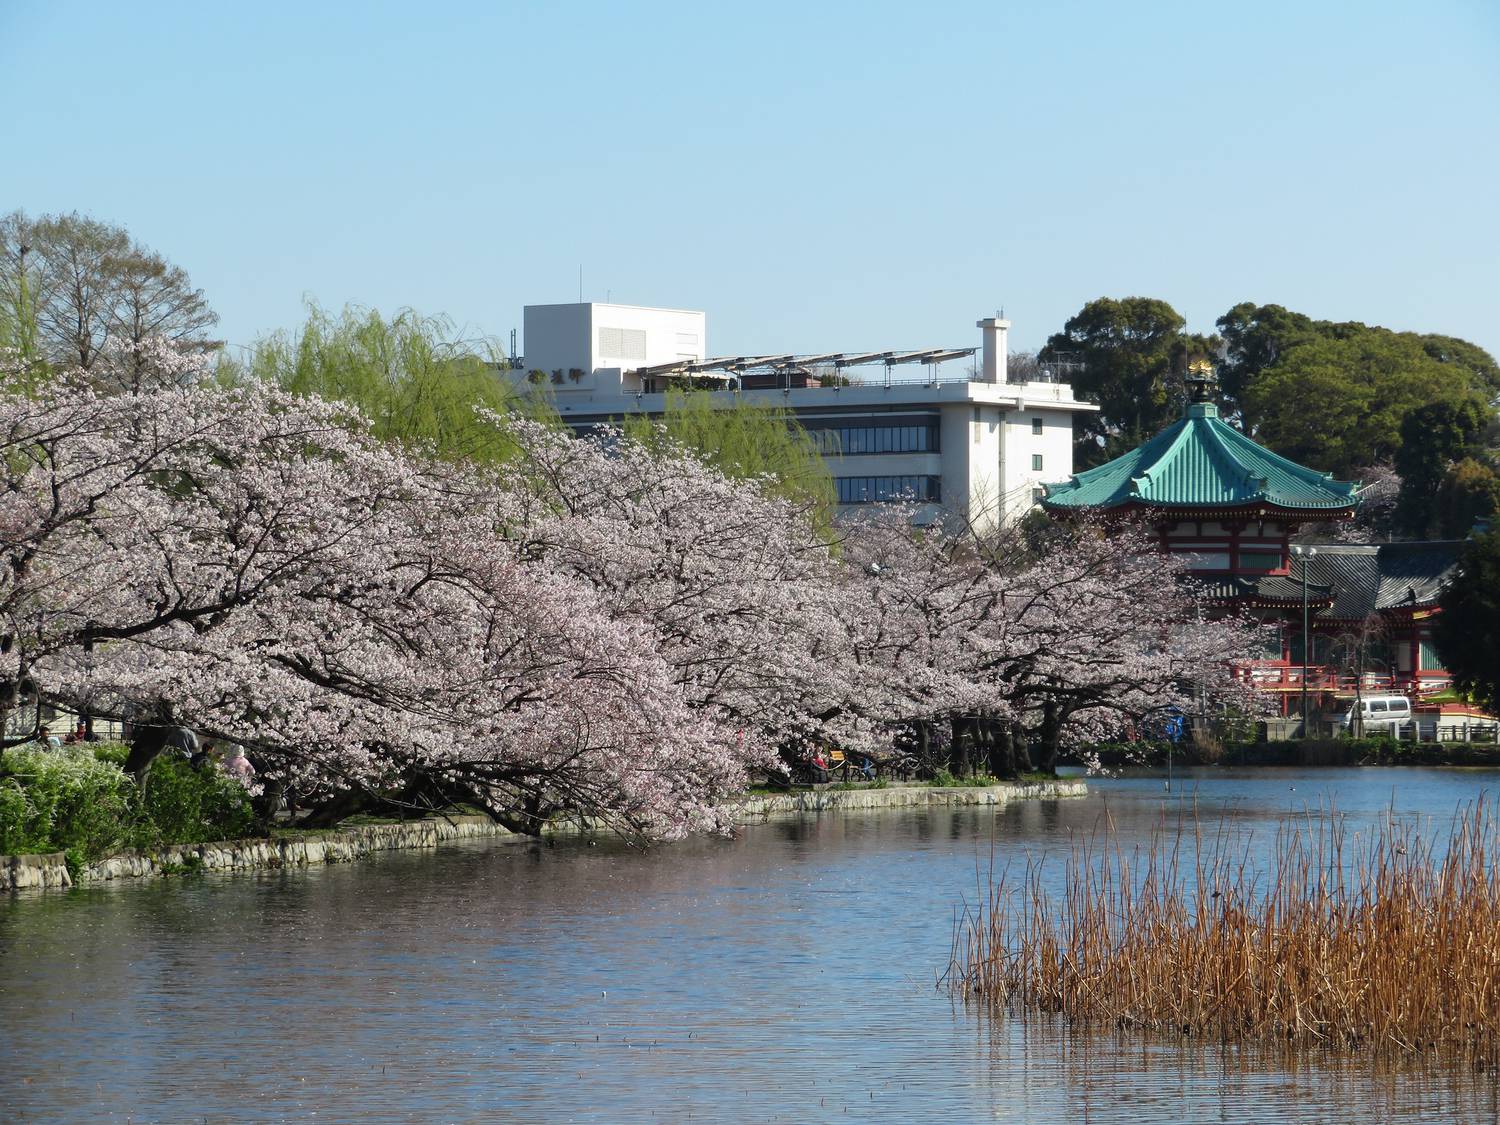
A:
[(746, 441), (416, 381)]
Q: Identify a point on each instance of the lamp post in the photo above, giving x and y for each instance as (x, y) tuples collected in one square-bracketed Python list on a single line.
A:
[(1304, 556)]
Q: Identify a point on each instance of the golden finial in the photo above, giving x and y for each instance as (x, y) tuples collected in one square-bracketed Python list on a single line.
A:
[(1200, 380)]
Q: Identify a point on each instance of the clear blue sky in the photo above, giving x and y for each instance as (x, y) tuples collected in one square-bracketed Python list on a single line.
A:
[(815, 176)]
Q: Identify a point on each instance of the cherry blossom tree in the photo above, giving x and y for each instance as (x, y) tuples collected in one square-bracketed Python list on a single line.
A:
[(1108, 632), (740, 592), (253, 565), (597, 628)]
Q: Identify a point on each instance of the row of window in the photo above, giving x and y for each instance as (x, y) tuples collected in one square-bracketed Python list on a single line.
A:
[(881, 490), (876, 439), (891, 439)]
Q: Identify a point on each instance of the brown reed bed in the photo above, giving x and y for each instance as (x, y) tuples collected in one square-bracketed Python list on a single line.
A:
[(1383, 941)]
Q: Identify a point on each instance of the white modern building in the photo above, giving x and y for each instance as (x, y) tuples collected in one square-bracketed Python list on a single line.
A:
[(932, 427)]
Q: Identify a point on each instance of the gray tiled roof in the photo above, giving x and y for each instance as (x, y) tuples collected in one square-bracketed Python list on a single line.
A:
[(1377, 576)]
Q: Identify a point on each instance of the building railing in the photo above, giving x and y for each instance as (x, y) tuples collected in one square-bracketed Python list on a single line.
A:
[(1271, 676)]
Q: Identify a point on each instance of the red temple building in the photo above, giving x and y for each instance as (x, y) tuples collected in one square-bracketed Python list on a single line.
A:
[(1233, 508)]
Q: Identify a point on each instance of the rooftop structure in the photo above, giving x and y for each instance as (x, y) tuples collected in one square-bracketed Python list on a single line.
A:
[(938, 427)]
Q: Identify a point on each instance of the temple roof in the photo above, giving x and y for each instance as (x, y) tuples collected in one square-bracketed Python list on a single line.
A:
[(1201, 462), (1374, 577), (1350, 581), (1272, 590)]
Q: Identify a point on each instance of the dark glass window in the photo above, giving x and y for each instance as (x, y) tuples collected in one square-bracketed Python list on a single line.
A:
[(864, 440), (1260, 560), (881, 490)]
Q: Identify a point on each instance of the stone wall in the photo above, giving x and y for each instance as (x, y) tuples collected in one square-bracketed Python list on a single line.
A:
[(341, 845), (20, 872), (345, 845), (754, 809)]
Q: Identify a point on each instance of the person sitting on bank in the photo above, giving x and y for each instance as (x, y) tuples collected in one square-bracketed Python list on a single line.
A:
[(819, 767)]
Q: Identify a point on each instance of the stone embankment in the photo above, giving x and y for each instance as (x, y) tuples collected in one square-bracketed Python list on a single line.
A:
[(343, 845), (754, 809)]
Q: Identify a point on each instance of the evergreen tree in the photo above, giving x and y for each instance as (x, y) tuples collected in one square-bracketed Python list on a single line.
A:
[(1467, 632), (1132, 350), (1470, 492), (1433, 438)]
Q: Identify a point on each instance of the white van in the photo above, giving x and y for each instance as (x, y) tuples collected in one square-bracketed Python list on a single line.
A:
[(1379, 714)]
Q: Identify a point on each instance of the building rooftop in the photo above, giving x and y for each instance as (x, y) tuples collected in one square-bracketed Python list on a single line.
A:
[(1350, 581), (1380, 576), (1200, 462)]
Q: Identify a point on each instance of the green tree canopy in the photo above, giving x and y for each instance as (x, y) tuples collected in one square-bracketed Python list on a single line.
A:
[(1433, 438), (1467, 632), (745, 440), (412, 376), (1129, 349), (1478, 362), (1469, 492), (1337, 403), (1255, 337)]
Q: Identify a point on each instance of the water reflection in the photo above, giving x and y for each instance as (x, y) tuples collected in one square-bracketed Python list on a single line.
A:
[(787, 975)]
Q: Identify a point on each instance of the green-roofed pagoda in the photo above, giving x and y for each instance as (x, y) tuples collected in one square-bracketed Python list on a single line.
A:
[(1232, 507), (1214, 494)]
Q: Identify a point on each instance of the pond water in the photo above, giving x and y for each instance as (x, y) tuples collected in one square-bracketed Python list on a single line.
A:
[(787, 975)]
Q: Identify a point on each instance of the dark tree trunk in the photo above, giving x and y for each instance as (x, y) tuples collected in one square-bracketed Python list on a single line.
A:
[(1007, 749), (958, 752), (341, 805), (1049, 738), (146, 742)]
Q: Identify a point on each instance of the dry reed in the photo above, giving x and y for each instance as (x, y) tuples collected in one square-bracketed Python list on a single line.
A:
[(1385, 941)]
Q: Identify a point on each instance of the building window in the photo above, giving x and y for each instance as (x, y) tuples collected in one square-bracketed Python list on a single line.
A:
[(1431, 662), (1036, 426), (1260, 560), (1207, 560), (1036, 462), (1037, 494), (885, 490), (977, 431), (864, 440)]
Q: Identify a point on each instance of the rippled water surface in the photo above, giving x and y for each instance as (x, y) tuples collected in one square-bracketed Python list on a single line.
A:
[(787, 975)]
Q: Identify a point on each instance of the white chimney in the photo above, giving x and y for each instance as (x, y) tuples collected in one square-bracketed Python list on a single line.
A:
[(994, 331)]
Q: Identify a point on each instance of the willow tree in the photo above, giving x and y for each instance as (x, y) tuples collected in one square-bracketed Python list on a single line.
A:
[(744, 440), (415, 378)]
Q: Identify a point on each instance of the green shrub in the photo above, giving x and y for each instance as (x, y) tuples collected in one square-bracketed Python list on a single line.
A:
[(184, 805), (79, 800), (113, 752), (67, 799)]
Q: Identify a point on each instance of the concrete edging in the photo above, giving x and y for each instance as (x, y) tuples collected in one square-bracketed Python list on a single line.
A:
[(753, 810), (344, 845)]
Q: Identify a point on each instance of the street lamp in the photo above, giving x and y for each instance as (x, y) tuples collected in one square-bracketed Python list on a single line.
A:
[(1304, 556)]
